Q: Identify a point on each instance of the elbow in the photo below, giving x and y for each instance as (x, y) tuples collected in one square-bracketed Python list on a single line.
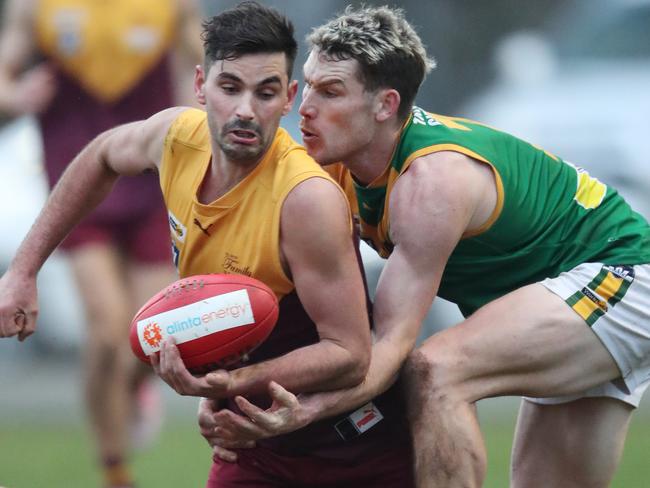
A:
[(354, 368)]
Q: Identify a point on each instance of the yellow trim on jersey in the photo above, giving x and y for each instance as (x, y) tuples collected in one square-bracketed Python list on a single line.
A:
[(451, 122), (590, 192), (453, 147)]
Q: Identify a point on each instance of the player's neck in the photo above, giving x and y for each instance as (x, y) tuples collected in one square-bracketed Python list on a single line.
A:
[(370, 162), (221, 176)]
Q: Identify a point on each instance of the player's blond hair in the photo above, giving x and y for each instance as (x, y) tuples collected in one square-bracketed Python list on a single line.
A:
[(389, 51)]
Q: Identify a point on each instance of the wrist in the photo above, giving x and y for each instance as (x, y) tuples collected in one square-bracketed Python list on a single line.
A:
[(312, 409), (21, 270)]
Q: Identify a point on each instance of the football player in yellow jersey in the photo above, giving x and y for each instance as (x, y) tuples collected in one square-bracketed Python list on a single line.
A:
[(549, 266), (100, 64), (233, 161)]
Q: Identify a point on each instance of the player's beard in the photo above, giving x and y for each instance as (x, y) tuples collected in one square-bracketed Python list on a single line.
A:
[(242, 152)]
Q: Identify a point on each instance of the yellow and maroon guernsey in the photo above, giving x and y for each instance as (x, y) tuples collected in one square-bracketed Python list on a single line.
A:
[(240, 233), (111, 61), (107, 46)]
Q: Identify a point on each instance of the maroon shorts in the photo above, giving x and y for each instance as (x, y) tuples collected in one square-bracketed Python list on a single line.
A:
[(261, 468), (144, 238)]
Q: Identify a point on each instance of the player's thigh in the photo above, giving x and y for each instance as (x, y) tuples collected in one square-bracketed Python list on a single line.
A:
[(579, 441), (528, 342), (99, 270)]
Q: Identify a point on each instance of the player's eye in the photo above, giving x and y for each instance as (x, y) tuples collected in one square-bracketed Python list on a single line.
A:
[(229, 88), (266, 94)]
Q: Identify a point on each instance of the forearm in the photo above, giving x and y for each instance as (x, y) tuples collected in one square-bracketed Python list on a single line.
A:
[(84, 184), (385, 364), (322, 366)]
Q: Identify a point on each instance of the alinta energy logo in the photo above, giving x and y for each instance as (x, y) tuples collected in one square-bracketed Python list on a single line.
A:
[(152, 334), (196, 319), (231, 311)]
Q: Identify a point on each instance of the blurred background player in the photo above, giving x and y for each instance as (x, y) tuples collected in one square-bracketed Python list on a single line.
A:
[(81, 67)]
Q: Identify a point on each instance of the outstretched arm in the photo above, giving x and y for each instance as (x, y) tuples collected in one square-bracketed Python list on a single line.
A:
[(129, 149)]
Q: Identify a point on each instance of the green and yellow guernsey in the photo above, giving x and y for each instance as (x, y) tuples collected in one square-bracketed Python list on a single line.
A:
[(550, 215)]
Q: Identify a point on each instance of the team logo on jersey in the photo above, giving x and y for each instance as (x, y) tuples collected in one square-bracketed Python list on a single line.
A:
[(68, 24), (142, 39), (178, 230)]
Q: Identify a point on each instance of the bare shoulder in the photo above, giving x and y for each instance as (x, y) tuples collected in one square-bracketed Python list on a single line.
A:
[(316, 213), (316, 198), (138, 146), (446, 176), (316, 235), (315, 191), (444, 170), (441, 193), (162, 121)]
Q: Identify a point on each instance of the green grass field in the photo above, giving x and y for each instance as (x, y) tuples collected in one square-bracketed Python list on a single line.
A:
[(62, 457)]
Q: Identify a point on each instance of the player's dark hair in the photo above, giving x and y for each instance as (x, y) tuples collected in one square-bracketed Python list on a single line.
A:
[(248, 28)]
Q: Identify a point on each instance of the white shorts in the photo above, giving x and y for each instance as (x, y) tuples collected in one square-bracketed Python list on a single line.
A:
[(615, 303)]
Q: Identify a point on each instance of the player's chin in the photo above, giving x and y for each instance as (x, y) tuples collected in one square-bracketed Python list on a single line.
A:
[(244, 152), (317, 151)]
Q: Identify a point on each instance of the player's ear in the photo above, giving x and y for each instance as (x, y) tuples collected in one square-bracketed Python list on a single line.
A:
[(199, 83), (292, 90), (387, 104)]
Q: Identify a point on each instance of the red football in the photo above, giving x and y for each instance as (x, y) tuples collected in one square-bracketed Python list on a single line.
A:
[(215, 319)]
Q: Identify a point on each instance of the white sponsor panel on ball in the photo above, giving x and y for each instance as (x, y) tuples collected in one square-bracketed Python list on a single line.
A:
[(196, 320)]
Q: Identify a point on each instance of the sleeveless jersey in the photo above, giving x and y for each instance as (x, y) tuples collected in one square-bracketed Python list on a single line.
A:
[(240, 233), (112, 67), (343, 177), (550, 216), (107, 46)]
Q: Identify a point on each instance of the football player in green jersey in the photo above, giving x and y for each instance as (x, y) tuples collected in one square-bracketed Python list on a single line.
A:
[(548, 265)]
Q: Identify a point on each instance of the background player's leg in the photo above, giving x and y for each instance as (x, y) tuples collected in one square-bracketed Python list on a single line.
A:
[(144, 280), (100, 275), (574, 445)]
